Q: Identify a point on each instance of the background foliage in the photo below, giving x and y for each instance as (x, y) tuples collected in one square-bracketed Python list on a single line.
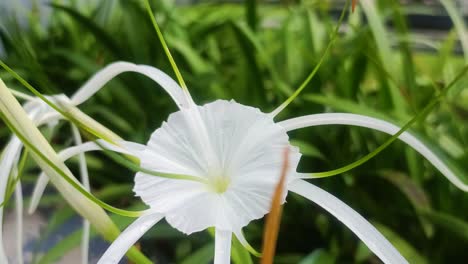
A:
[(257, 54)]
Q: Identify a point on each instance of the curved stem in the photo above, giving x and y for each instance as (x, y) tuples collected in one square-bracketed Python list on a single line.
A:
[(128, 148), (164, 45), (316, 68), (373, 123)]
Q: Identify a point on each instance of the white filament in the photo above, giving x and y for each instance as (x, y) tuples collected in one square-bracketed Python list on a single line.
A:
[(377, 124)]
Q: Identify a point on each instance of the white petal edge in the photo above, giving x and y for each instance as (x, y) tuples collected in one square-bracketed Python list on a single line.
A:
[(126, 147), (222, 253), (85, 181), (376, 242), (128, 238), (377, 124), (103, 76)]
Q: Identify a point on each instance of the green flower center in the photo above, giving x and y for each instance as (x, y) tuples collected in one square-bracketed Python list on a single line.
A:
[(219, 184)]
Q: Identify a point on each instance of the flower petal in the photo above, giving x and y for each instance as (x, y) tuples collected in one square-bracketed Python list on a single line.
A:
[(360, 226), (377, 124), (96, 82), (129, 237), (222, 254)]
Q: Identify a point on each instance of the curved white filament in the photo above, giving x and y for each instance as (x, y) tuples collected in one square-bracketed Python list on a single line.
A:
[(6, 165), (222, 253), (103, 76), (37, 193), (85, 181), (376, 242), (19, 221), (129, 148), (377, 124), (129, 236)]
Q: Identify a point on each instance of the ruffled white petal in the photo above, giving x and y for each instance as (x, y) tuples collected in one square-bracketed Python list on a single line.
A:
[(222, 254), (248, 151), (377, 124), (128, 238), (103, 76), (360, 226)]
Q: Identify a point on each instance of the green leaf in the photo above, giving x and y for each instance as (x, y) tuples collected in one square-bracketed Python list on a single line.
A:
[(453, 224), (408, 251), (376, 23), (202, 255), (307, 149), (100, 34), (346, 105), (319, 256), (239, 254), (415, 194)]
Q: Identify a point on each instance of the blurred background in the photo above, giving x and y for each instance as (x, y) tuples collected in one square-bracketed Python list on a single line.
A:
[(389, 61)]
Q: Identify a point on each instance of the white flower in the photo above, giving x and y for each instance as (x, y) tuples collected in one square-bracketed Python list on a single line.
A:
[(237, 150), (234, 155)]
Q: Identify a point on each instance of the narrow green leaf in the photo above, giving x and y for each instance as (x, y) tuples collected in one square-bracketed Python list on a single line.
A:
[(319, 256), (406, 249), (202, 255), (419, 116), (100, 34), (451, 223), (239, 254)]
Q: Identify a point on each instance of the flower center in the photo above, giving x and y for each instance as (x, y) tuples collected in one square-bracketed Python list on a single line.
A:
[(219, 184)]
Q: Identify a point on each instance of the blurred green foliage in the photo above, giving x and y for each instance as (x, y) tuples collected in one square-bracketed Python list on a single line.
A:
[(257, 54)]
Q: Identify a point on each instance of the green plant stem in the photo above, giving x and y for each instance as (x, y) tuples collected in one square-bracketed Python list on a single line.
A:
[(164, 45), (317, 66), (418, 117)]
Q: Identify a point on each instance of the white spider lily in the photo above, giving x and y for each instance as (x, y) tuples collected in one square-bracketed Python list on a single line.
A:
[(41, 114), (235, 153)]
